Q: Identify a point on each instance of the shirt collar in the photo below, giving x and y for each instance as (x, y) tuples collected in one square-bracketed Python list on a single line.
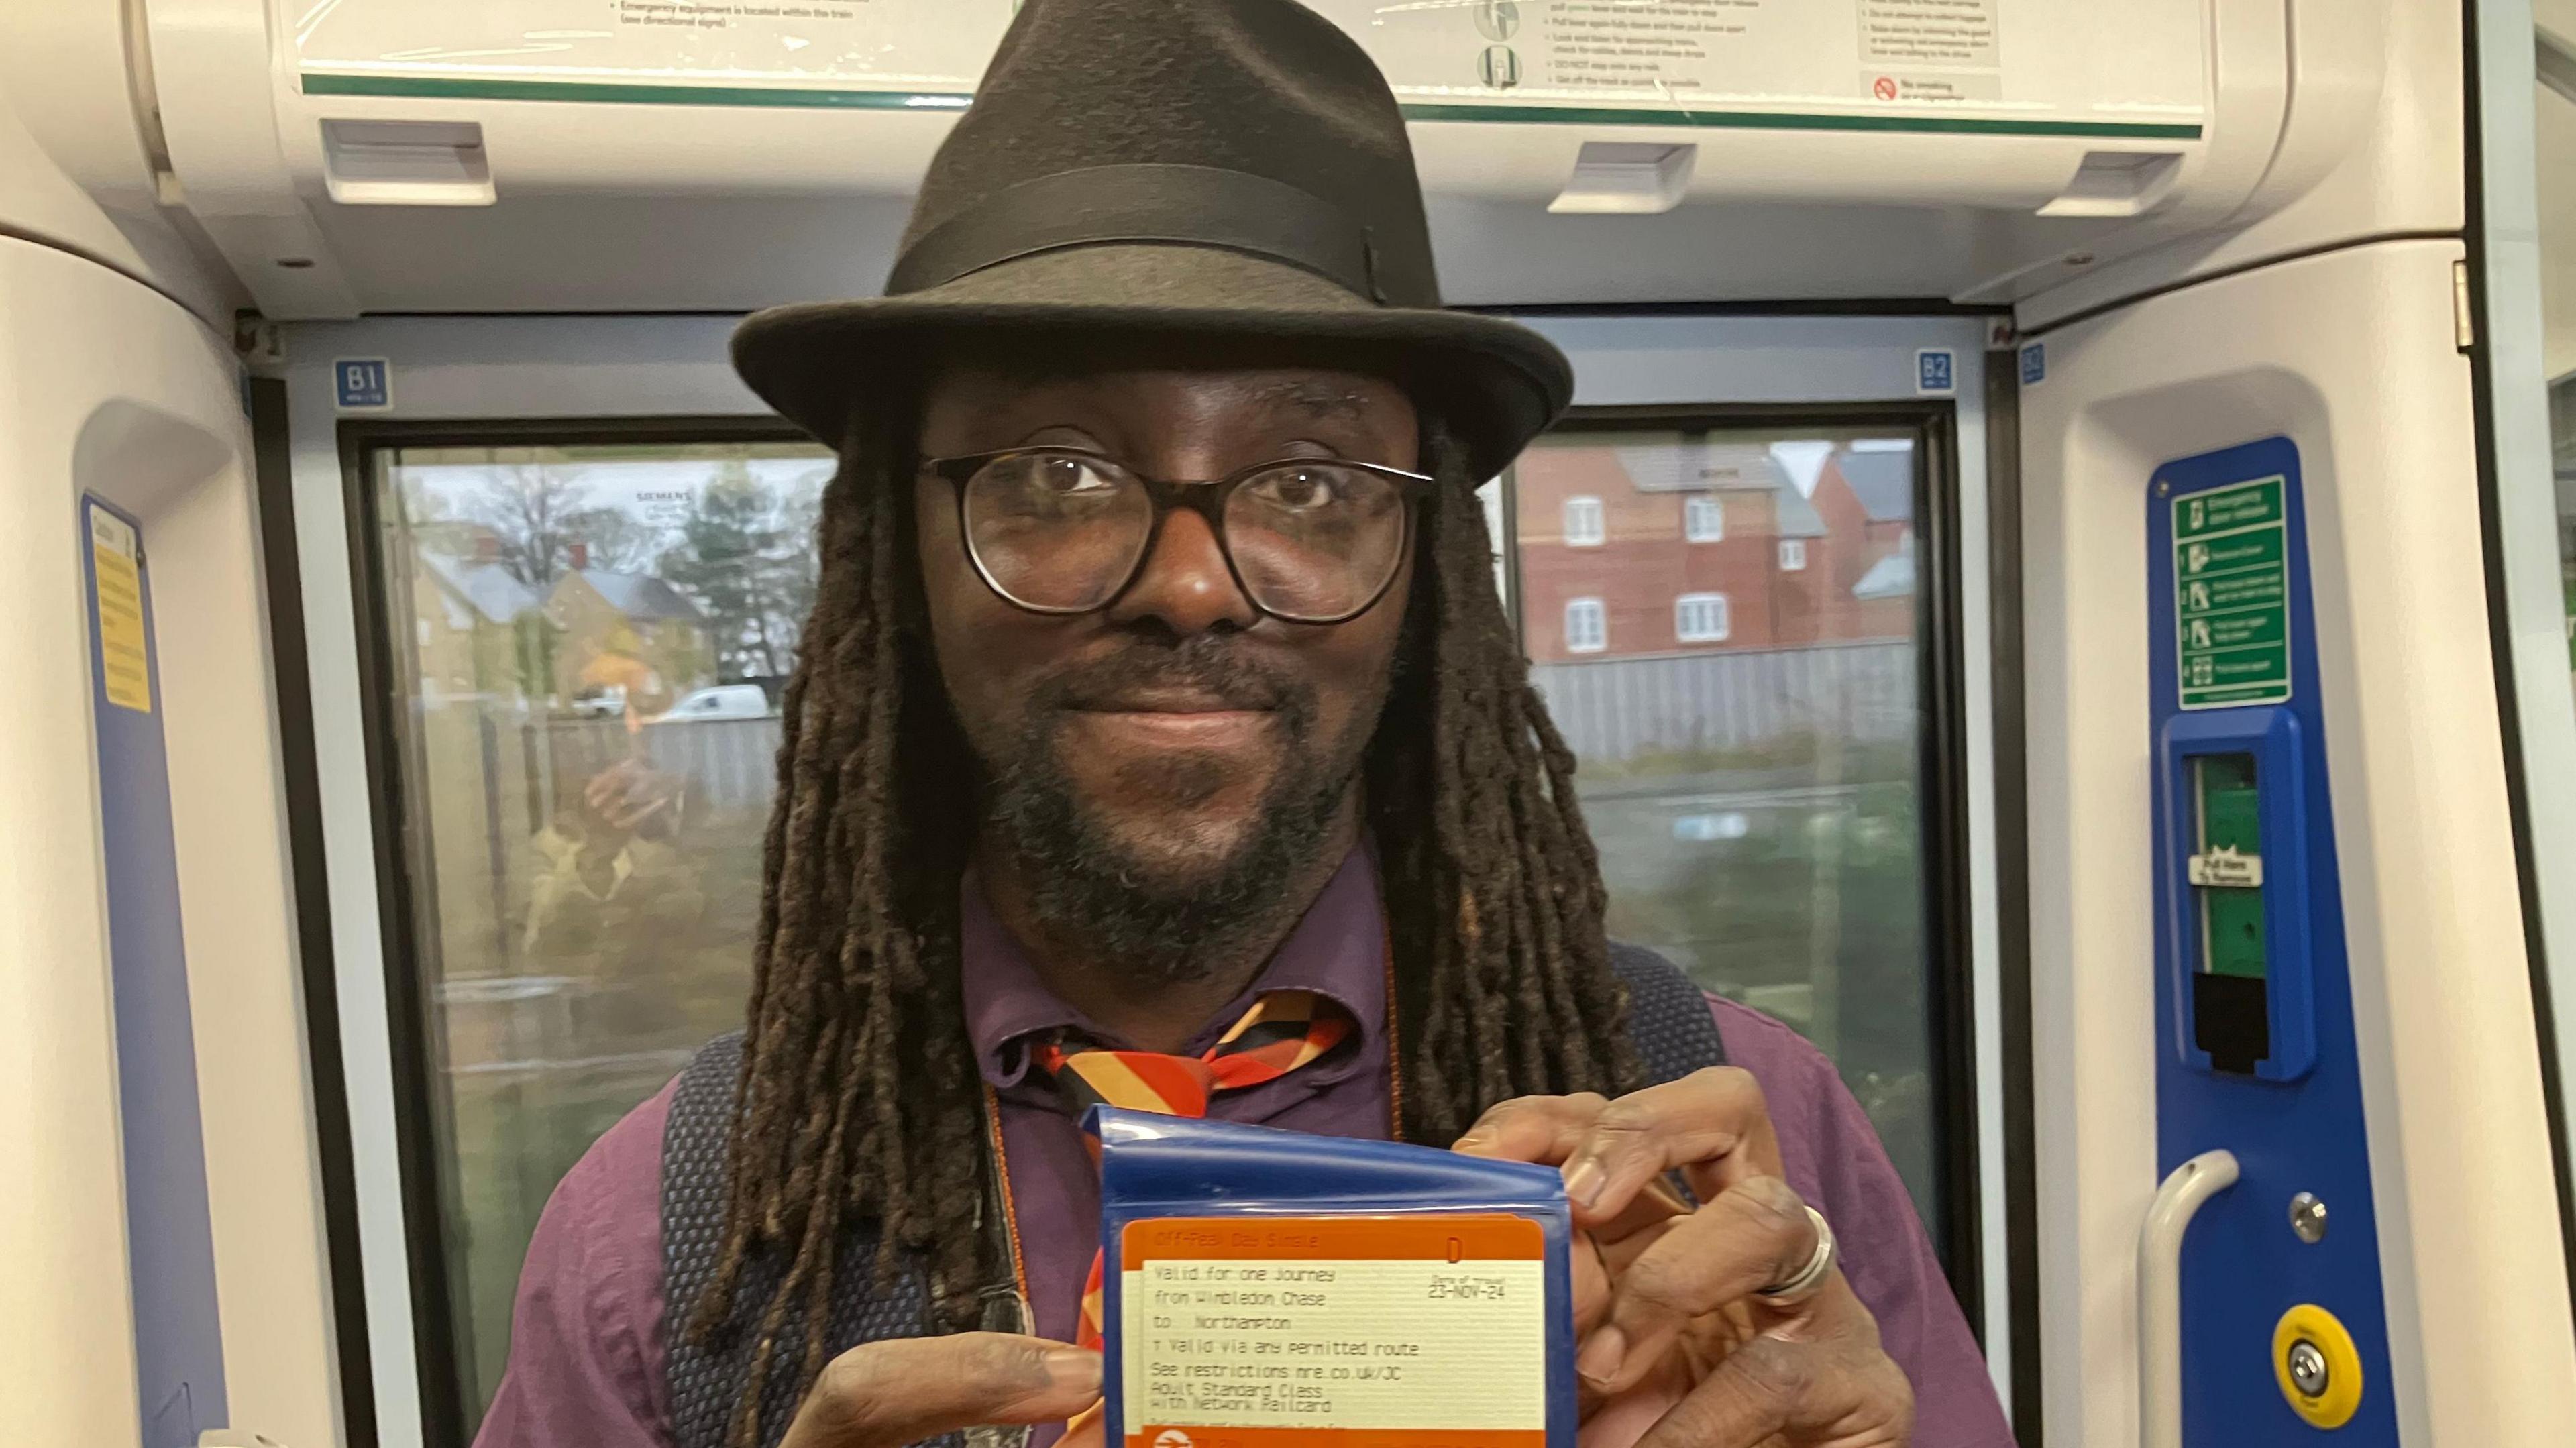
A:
[(1338, 951)]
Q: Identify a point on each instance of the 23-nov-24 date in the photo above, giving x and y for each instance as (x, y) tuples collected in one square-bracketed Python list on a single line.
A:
[(1466, 1287)]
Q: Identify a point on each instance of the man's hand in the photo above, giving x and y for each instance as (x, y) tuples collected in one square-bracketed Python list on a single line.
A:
[(626, 794), (887, 1394), (1677, 1347)]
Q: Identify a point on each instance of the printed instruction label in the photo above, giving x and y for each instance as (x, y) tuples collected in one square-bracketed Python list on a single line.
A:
[(124, 650), (1386, 1332), (2231, 561)]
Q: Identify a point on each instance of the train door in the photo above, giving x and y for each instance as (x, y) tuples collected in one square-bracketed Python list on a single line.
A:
[(1750, 573), (2281, 988)]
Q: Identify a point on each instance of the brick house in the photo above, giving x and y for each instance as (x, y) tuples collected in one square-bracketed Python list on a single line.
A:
[(1866, 498), (1642, 545), (477, 630), (627, 630)]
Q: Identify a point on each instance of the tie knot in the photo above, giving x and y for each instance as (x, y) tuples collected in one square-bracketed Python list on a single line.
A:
[(1282, 1031)]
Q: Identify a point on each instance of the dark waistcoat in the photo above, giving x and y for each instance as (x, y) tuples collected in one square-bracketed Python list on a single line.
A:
[(1668, 1020)]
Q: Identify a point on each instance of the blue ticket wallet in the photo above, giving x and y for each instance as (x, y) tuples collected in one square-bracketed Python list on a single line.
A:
[(1271, 1289)]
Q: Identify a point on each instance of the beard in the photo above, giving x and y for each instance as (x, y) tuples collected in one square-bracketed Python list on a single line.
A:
[(1169, 914)]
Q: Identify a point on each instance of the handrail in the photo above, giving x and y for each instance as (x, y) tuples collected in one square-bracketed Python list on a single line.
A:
[(2160, 1292)]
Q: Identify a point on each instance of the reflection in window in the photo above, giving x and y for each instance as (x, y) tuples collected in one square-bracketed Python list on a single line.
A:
[(588, 726), (1745, 714), (1584, 527), (1587, 629), (1700, 618), (1703, 519)]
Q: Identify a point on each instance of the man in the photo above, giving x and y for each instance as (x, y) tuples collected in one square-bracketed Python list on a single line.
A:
[(1158, 704)]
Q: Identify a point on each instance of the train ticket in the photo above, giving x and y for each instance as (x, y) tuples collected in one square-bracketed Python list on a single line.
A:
[(1416, 1331)]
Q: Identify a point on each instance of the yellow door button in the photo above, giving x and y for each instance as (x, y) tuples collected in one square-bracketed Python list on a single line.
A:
[(2317, 1366)]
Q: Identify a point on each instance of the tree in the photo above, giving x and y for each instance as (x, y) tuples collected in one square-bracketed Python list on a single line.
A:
[(745, 552), (536, 514)]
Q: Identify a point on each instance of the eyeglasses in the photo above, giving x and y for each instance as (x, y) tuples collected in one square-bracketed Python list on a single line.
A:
[(1064, 530)]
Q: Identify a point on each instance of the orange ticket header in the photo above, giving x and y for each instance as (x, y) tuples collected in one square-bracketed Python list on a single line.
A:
[(1412, 1237)]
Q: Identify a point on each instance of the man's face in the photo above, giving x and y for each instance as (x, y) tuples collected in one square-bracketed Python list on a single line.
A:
[(1156, 764)]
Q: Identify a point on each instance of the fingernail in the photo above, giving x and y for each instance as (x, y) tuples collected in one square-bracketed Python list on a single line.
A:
[(1472, 1141), (1074, 1369), (1599, 1361), (1583, 1184)]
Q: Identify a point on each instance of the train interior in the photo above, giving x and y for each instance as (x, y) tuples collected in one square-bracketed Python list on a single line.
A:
[(2058, 579)]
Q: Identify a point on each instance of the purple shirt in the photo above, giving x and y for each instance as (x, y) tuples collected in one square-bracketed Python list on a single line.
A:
[(586, 1337)]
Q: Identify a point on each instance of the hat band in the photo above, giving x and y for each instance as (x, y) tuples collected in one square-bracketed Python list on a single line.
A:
[(1170, 205)]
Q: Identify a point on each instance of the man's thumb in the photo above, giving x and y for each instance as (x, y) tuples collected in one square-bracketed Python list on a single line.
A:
[(887, 1394)]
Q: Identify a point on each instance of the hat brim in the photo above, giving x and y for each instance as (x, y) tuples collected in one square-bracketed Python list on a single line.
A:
[(1495, 383)]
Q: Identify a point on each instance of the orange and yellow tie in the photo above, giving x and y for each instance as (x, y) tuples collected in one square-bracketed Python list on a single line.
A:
[(1285, 1029)]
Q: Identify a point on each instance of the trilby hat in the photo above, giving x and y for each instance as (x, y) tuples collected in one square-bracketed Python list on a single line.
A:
[(1231, 170)]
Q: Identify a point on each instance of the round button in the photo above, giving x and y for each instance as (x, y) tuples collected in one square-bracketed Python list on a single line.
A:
[(2308, 1369), (2317, 1366)]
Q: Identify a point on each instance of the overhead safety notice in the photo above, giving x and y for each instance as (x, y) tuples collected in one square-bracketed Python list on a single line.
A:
[(2232, 595)]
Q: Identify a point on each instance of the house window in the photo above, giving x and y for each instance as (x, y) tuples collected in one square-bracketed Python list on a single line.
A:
[(1703, 518), (1700, 618), (1583, 523), (1793, 554), (1587, 627)]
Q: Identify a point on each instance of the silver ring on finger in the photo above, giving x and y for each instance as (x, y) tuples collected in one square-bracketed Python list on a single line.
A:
[(1810, 1279)]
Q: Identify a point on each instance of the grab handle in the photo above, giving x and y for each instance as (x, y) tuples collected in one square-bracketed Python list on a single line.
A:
[(2160, 1292)]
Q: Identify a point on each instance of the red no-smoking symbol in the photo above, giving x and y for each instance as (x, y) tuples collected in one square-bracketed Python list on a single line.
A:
[(1884, 87)]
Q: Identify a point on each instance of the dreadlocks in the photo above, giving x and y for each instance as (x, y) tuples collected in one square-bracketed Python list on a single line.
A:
[(858, 1098)]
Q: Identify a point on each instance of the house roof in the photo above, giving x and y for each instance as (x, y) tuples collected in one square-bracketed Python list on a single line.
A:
[(485, 588), (1883, 481), (1891, 576), (1798, 517), (1722, 467), (640, 595), (1693, 467)]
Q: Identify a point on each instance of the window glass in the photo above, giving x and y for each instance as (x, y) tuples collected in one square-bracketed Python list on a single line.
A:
[(587, 645), (1583, 523), (1585, 630), (583, 870), (1703, 519), (1746, 713), (1700, 618)]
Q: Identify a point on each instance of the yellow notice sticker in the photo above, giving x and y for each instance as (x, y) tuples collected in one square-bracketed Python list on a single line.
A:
[(1359, 1332), (124, 649)]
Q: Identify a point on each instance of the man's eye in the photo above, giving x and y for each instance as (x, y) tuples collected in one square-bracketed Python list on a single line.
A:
[(1300, 489), (1069, 475)]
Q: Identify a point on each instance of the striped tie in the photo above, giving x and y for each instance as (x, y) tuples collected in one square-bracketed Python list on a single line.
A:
[(1285, 1029)]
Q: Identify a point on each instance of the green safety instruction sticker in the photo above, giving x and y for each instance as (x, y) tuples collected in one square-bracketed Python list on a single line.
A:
[(2231, 561)]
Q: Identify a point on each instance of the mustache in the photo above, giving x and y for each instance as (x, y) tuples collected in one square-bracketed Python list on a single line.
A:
[(1208, 664)]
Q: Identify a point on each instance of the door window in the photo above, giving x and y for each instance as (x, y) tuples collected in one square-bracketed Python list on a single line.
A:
[(582, 883), (580, 837), (1758, 806)]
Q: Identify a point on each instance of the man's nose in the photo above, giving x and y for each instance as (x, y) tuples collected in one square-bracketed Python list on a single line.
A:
[(1185, 584)]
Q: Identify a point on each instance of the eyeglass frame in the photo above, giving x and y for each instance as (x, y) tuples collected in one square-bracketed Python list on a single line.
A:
[(1206, 497)]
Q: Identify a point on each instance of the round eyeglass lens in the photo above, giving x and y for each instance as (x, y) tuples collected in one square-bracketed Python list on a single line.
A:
[(1056, 531), (1315, 541)]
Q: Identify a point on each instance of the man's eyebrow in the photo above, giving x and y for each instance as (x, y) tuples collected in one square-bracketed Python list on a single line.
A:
[(1316, 399)]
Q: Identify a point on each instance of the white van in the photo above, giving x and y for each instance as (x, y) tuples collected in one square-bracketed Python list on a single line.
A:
[(720, 701)]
